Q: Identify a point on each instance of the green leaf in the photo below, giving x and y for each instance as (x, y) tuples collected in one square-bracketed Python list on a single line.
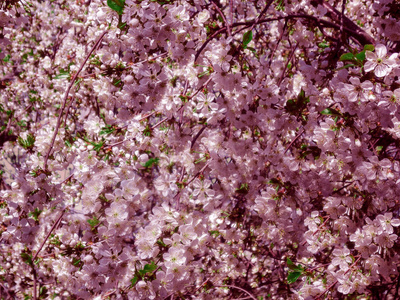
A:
[(35, 214), (215, 233), (28, 143), (243, 189), (97, 146), (346, 56), (330, 112), (369, 47), (63, 74), (22, 123), (247, 37), (323, 45), (76, 261), (43, 291), (7, 58), (161, 243), (78, 81), (291, 105), (93, 222), (117, 82), (27, 258), (293, 267), (134, 280), (122, 25), (117, 5), (290, 264), (301, 98), (107, 129), (149, 268), (361, 56), (150, 162), (293, 276)]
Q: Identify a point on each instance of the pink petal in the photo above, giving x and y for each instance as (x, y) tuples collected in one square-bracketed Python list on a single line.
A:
[(382, 70), (369, 65), (380, 50), (370, 55)]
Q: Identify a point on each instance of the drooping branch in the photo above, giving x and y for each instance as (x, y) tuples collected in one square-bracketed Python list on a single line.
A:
[(264, 11), (38, 251), (48, 235), (287, 63), (223, 18), (238, 288), (349, 27), (66, 98)]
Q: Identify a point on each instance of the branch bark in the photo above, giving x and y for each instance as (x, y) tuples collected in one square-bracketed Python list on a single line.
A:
[(66, 98)]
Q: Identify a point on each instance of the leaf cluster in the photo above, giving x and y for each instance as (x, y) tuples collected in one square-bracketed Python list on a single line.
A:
[(147, 273)]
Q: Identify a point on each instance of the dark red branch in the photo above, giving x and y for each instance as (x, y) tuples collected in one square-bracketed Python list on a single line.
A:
[(66, 98)]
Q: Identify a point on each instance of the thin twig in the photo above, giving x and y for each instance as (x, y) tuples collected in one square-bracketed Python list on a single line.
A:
[(343, 187), (223, 18), (66, 98), (34, 281), (297, 136), (252, 24), (170, 295), (239, 288), (66, 179), (159, 123), (342, 20), (68, 108), (207, 41), (318, 229), (48, 235), (287, 63), (198, 173), (334, 283), (4, 288), (349, 26), (264, 11), (145, 117), (116, 144), (38, 251), (277, 43), (197, 136), (191, 180), (149, 59), (202, 87), (186, 87)]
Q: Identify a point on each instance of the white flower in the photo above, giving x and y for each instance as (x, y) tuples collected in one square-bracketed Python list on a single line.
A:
[(357, 90), (342, 258), (387, 222), (203, 16), (377, 61)]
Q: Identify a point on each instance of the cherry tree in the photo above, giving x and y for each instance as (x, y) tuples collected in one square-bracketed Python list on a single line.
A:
[(159, 149)]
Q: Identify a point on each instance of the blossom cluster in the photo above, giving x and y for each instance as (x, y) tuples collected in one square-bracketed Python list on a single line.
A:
[(199, 149)]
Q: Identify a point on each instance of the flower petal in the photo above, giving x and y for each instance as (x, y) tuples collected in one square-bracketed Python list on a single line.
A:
[(380, 50), (369, 66), (382, 70)]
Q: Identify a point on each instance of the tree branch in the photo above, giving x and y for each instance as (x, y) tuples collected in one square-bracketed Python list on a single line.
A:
[(66, 98), (348, 26), (223, 17)]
